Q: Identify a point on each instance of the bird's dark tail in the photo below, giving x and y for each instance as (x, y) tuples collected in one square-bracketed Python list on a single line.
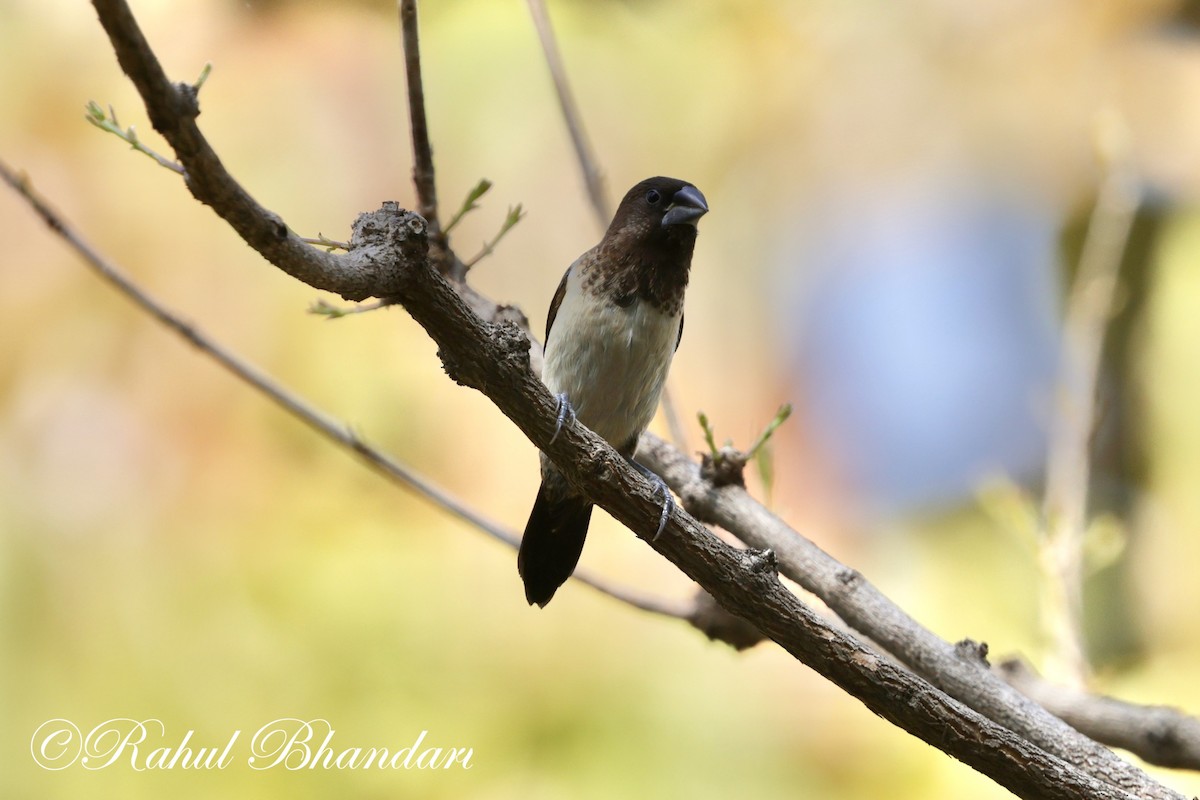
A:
[(552, 543)]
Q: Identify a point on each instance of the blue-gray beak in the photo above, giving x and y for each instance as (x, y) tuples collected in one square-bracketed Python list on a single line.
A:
[(687, 207)]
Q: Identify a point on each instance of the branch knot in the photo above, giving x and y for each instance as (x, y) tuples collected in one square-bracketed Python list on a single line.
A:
[(393, 241), (972, 651), (187, 101), (726, 468)]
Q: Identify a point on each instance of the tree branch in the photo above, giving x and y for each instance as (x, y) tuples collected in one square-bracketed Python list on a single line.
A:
[(173, 109), (958, 671), (423, 172), (422, 151), (1157, 734), (592, 179), (495, 359), (1090, 303)]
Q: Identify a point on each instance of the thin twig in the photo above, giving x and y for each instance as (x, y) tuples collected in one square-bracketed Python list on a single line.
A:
[(583, 151), (675, 428), (423, 175), (321, 240), (1088, 310), (322, 308), (107, 121), (659, 606), (469, 203), (515, 214)]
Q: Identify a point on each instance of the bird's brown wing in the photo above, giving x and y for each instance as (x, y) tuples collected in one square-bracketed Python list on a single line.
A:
[(559, 294), (679, 338)]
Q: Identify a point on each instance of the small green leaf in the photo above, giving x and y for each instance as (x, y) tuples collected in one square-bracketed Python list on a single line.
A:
[(1011, 510), (781, 416), (479, 191), (515, 215), (108, 122), (204, 73), (709, 438), (469, 203), (324, 309), (764, 459), (1104, 542), (321, 240)]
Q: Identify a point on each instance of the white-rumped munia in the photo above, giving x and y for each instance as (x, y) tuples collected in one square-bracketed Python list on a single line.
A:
[(613, 327)]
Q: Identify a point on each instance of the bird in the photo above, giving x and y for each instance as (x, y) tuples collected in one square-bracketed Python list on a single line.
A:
[(614, 325)]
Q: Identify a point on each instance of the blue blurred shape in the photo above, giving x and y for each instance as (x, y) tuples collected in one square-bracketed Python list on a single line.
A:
[(921, 325)]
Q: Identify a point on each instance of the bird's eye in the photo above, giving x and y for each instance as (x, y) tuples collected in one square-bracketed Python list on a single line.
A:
[(652, 197)]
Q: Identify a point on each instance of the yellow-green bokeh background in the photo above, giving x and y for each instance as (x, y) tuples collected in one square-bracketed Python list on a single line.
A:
[(174, 546)]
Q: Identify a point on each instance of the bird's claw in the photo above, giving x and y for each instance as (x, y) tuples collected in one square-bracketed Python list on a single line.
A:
[(659, 486), (566, 415)]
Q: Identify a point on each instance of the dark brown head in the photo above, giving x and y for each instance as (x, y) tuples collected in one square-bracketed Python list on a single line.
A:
[(647, 250), (659, 210)]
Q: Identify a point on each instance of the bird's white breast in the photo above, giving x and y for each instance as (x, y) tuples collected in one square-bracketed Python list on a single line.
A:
[(610, 361)]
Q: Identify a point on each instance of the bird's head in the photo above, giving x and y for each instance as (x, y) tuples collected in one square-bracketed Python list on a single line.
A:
[(660, 208)]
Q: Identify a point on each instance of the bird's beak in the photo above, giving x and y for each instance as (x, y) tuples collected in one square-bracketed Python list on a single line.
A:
[(687, 207)]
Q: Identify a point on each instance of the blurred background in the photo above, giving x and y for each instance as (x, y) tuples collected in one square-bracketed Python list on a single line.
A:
[(898, 193)]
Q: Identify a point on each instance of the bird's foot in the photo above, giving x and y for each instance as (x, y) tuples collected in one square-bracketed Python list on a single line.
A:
[(566, 415), (659, 486)]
